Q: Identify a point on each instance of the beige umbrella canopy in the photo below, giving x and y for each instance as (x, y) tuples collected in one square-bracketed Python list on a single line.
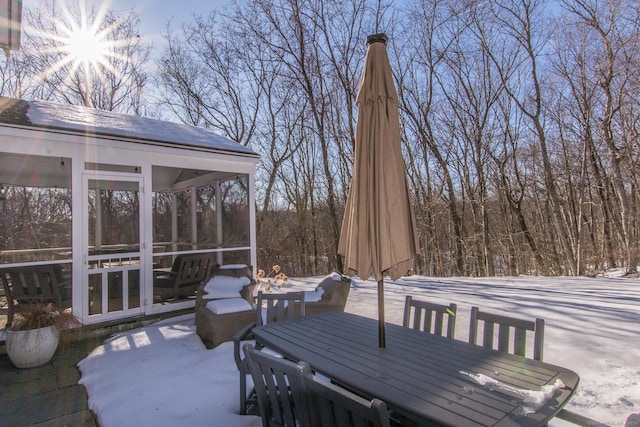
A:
[(378, 234)]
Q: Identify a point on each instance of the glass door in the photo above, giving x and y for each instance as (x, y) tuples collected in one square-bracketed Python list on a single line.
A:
[(113, 258)]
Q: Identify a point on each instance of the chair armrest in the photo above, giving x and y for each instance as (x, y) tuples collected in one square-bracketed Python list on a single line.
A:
[(239, 336), (164, 272), (578, 419), (336, 292), (247, 292), (243, 333)]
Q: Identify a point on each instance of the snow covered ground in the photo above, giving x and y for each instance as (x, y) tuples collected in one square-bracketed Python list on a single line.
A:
[(162, 375)]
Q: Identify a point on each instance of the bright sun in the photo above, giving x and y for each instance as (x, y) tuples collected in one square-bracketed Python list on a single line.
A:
[(83, 42), (85, 45), (86, 48)]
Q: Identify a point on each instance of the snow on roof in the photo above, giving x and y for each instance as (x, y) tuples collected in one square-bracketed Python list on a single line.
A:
[(107, 123)]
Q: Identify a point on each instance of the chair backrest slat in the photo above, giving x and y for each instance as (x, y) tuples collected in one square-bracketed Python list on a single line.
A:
[(278, 307), (439, 321), (430, 317), (503, 338), (487, 335), (270, 308), (333, 406), (193, 268), (280, 388), (508, 327), (276, 380), (290, 395), (520, 341), (32, 284)]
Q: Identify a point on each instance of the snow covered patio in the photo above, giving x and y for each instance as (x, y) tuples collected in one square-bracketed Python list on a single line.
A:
[(163, 375)]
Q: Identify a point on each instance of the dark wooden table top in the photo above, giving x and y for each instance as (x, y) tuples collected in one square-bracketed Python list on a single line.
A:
[(425, 377)]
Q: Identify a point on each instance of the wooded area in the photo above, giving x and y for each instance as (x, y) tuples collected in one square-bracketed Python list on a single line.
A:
[(520, 119)]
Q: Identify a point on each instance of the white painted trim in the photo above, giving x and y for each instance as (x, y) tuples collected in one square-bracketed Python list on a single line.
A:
[(105, 315), (252, 223)]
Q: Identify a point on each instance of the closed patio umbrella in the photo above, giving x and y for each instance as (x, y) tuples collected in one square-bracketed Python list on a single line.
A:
[(378, 234)]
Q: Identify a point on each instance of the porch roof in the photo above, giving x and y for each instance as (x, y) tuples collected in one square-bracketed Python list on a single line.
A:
[(107, 124)]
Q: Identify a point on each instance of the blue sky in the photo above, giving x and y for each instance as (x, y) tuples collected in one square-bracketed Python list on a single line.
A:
[(153, 14)]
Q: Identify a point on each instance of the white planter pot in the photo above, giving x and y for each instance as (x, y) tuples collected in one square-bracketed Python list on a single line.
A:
[(31, 348)]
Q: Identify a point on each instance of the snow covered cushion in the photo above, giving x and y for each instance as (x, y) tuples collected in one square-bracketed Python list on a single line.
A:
[(228, 305), (334, 276), (225, 287), (232, 266), (313, 296)]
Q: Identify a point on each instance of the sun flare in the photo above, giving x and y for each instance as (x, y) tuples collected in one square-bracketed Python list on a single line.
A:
[(86, 47), (84, 44)]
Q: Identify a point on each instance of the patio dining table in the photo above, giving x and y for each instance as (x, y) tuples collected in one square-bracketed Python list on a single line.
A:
[(429, 379)]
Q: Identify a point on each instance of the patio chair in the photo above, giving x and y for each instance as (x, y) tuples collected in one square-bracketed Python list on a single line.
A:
[(270, 308), (225, 304), (331, 405), (34, 284), (429, 317), (330, 295), (505, 325), (519, 347), (633, 420), (187, 272), (280, 389)]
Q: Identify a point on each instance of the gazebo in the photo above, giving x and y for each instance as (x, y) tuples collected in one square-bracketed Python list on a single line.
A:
[(111, 200)]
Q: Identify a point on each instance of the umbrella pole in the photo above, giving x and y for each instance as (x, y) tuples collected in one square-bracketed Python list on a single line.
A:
[(381, 333)]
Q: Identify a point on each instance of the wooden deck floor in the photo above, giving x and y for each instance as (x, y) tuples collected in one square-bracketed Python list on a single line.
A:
[(48, 395)]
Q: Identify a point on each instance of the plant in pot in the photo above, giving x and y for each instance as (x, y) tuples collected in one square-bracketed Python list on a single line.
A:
[(266, 283), (33, 338)]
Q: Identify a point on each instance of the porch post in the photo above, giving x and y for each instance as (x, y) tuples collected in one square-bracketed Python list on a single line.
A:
[(98, 225), (252, 222), (174, 222), (219, 219), (194, 219), (79, 248)]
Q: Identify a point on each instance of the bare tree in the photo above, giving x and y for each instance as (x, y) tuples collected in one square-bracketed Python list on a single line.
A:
[(471, 90), (576, 114), (17, 78), (508, 156), (516, 56), (318, 60), (212, 77), (513, 184), (615, 32), (418, 97)]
